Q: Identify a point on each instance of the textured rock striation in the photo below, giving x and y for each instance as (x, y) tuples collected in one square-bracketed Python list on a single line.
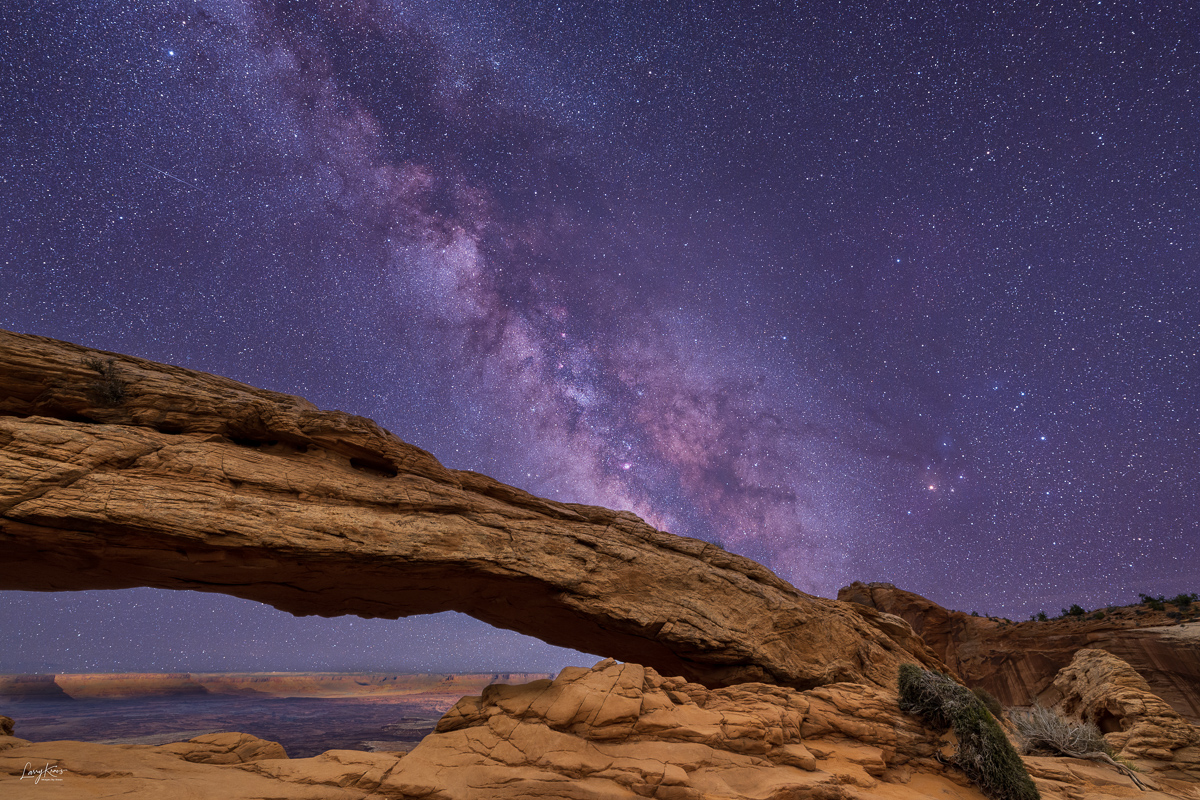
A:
[(1018, 661), (118, 472)]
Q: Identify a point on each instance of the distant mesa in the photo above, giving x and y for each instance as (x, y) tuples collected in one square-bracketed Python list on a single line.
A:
[(117, 472), (93, 686), (31, 687)]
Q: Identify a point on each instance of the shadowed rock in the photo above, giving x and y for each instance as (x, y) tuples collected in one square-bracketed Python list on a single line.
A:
[(118, 472)]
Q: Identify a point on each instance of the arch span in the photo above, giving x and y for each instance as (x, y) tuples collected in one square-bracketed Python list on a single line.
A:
[(118, 472)]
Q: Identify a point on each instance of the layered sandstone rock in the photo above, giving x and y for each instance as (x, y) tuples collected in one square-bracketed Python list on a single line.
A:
[(118, 472), (1018, 661)]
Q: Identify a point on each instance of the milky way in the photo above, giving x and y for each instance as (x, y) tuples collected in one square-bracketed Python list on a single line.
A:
[(862, 291)]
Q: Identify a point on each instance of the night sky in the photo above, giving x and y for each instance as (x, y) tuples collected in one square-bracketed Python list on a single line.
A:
[(862, 290)]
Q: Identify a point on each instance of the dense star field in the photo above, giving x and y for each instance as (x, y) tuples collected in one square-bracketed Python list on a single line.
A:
[(864, 291)]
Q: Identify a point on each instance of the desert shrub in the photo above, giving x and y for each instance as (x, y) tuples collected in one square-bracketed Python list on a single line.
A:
[(1075, 610), (1183, 601), (989, 701), (984, 752), (1042, 728), (1174, 615), (1098, 615), (1041, 616), (109, 389), (1155, 603)]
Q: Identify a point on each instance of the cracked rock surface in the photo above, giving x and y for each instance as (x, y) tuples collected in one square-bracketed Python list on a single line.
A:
[(182, 480)]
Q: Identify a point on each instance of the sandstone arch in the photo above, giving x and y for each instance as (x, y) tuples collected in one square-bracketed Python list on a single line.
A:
[(118, 472)]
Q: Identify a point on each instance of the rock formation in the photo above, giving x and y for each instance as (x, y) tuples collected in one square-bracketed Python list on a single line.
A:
[(118, 472), (1100, 688), (1018, 661)]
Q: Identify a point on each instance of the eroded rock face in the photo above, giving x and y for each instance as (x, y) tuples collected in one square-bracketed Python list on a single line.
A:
[(1101, 688), (118, 472), (1018, 661)]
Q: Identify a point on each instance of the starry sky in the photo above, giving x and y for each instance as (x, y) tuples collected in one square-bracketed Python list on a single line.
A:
[(899, 291)]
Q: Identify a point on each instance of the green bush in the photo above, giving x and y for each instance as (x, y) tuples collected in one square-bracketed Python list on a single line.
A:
[(1183, 601), (984, 752), (1156, 603), (1041, 616), (1075, 610)]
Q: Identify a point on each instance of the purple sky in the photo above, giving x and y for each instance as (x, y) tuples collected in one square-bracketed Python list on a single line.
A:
[(864, 291)]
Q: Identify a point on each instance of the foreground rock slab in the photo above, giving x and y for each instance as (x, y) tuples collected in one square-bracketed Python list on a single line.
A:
[(624, 731), (612, 732), (118, 472)]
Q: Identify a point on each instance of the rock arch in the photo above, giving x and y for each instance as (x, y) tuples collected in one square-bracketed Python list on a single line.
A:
[(118, 472)]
